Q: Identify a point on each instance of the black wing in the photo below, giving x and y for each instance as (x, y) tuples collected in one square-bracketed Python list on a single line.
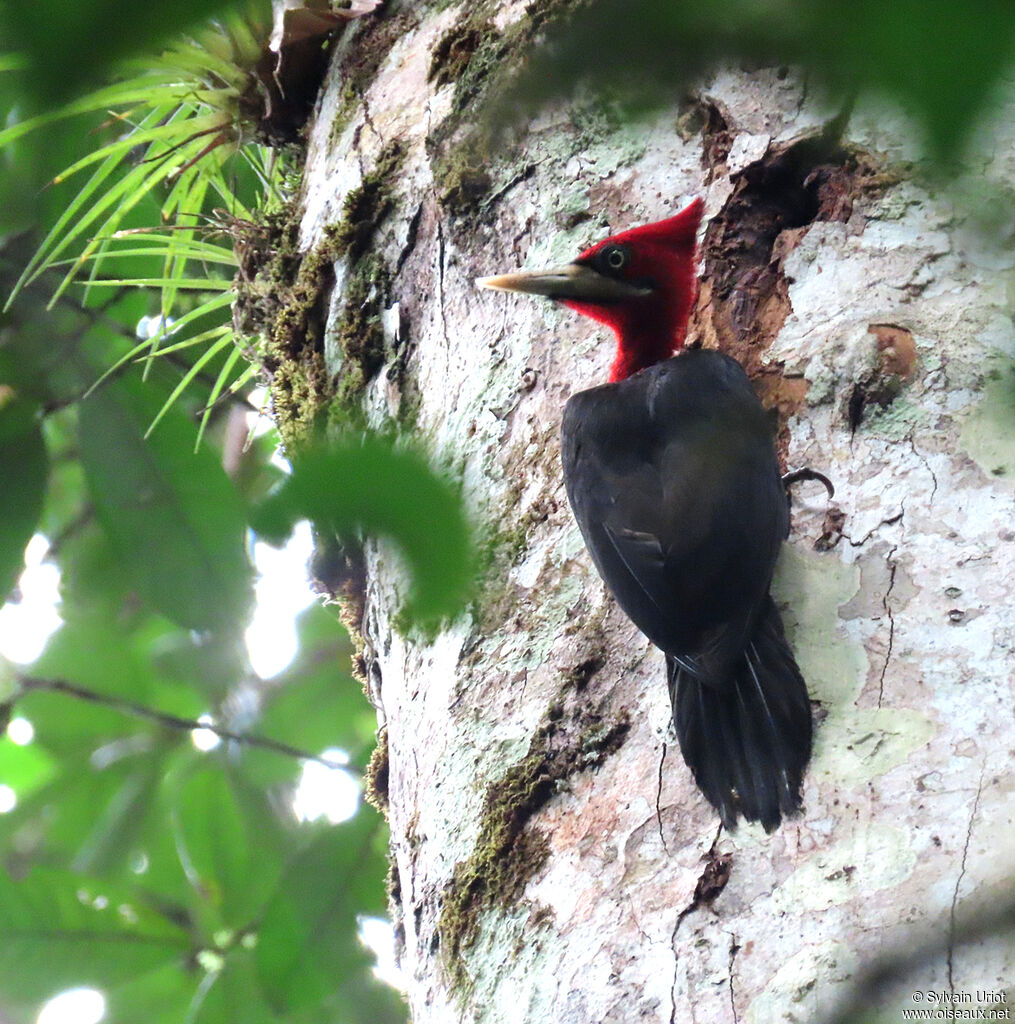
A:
[(674, 482)]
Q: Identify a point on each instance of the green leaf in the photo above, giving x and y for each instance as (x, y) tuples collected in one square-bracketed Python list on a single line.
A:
[(233, 995), (171, 513), (52, 355), (93, 581), (152, 243), (124, 663), (118, 826), (59, 930), (209, 664), (51, 33), (162, 996), (307, 946), (25, 768), (95, 197), (24, 469), (53, 824), (369, 486), (109, 816), (222, 387), (231, 840), (200, 284), (192, 373), (97, 806)]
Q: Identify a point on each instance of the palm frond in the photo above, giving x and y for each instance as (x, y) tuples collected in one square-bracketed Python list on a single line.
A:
[(172, 141), (222, 389)]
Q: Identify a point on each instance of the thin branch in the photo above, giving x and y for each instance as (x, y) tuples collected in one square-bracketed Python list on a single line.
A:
[(70, 529), (31, 684)]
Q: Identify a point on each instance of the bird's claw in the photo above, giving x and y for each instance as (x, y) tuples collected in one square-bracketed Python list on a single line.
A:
[(806, 473)]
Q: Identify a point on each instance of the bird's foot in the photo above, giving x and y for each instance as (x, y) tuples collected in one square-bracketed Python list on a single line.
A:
[(799, 475)]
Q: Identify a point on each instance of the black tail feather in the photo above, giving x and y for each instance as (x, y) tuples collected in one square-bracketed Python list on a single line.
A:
[(747, 744)]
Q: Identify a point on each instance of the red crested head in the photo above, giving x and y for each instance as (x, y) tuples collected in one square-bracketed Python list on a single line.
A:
[(660, 260), (641, 282)]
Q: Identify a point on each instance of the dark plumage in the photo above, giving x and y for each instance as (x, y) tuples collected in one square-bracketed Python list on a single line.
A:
[(672, 475), (673, 479)]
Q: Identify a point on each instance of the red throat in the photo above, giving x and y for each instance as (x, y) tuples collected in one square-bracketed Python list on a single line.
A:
[(651, 328)]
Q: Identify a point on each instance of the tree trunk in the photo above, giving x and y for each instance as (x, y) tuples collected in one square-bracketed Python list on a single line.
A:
[(552, 857)]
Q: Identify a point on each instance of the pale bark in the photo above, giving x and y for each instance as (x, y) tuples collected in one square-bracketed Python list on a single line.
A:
[(903, 629)]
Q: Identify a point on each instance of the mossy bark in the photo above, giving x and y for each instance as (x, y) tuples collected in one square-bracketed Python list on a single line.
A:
[(552, 859)]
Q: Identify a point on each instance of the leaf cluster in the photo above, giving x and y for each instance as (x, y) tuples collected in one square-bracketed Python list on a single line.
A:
[(174, 881), (169, 170), (177, 881)]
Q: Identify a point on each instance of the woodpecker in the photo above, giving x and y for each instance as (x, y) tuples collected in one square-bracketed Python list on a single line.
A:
[(671, 472)]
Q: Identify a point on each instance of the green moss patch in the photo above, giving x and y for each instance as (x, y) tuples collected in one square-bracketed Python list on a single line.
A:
[(508, 853), (367, 205), (300, 391), (284, 296), (358, 332), (359, 336), (376, 789), (462, 179), (451, 56)]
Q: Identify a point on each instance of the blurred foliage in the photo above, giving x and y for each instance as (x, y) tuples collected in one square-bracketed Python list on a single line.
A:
[(133, 862), (941, 62), (388, 491), (178, 882), (69, 44), (23, 468), (171, 513)]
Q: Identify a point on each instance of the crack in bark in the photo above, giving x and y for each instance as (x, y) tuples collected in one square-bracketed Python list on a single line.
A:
[(659, 795), (357, 132), (886, 603), (734, 949), (523, 175), (958, 884), (634, 917), (369, 122), (440, 235), (711, 883), (926, 466), (440, 293), (410, 239), (676, 964), (890, 521)]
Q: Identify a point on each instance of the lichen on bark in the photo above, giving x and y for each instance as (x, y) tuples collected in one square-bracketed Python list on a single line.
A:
[(606, 865)]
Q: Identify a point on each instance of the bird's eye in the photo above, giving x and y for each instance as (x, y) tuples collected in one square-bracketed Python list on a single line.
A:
[(616, 257)]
